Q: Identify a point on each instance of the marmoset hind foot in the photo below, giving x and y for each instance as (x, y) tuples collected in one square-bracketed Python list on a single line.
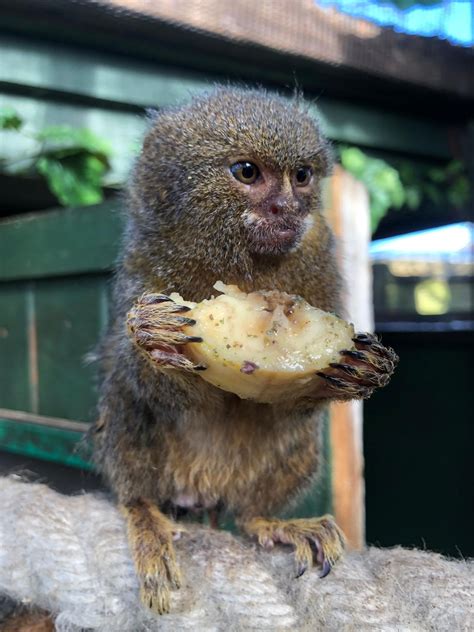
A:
[(151, 536), (156, 325), (315, 540), (361, 370)]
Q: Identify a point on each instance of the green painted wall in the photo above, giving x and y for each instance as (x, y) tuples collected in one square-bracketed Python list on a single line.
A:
[(418, 438)]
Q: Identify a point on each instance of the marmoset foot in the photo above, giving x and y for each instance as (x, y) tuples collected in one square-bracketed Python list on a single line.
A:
[(315, 540), (155, 323), (151, 536), (361, 370)]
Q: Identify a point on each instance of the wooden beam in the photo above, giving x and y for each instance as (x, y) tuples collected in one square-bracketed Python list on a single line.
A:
[(42, 420), (44, 442), (348, 212), (60, 242), (103, 92)]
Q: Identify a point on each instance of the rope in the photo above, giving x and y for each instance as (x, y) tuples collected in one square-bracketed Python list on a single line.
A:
[(69, 555)]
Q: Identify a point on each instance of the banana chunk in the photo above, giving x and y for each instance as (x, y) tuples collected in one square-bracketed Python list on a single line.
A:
[(263, 345)]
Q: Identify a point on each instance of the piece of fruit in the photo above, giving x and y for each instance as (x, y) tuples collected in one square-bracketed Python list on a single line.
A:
[(263, 345)]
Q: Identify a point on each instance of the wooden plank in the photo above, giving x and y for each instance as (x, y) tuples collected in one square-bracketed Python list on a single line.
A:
[(50, 444), (22, 416), (69, 319), (32, 337), (113, 83), (37, 65), (60, 242), (348, 211), (14, 378), (319, 499), (381, 129)]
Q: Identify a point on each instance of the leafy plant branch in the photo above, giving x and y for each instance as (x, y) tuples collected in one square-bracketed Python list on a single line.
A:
[(73, 161), (405, 183)]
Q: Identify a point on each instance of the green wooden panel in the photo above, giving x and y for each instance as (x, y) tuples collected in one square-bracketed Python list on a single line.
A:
[(65, 75), (69, 319), (105, 77), (43, 442), (418, 438), (379, 129), (318, 500), (14, 376), (60, 242)]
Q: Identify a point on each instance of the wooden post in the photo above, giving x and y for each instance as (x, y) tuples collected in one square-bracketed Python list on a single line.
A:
[(348, 212)]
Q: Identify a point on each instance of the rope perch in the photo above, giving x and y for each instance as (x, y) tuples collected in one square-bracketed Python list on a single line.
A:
[(69, 555)]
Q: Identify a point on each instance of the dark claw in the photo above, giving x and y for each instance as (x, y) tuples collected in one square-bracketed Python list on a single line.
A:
[(325, 570), (185, 321), (181, 308), (346, 368), (301, 570), (193, 339), (357, 355), (335, 381), (362, 338), (200, 367), (152, 299), (366, 339)]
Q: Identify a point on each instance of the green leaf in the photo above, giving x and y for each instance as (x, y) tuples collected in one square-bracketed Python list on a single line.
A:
[(74, 162), (9, 119), (437, 174), (64, 140), (354, 160), (413, 197), (381, 180), (458, 192), (455, 167), (74, 180), (433, 192)]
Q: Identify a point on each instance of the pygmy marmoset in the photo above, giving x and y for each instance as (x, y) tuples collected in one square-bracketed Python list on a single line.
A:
[(226, 187)]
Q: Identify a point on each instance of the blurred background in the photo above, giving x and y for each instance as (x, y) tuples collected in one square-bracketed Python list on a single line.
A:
[(392, 83)]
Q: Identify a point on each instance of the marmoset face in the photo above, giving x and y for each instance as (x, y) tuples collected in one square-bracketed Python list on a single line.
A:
[(236, 173), (278, 203)]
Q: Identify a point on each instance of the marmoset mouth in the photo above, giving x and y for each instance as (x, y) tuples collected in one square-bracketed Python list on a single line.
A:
[(268, 237)]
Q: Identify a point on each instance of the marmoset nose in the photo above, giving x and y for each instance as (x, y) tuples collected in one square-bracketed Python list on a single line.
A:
[(279, 205)]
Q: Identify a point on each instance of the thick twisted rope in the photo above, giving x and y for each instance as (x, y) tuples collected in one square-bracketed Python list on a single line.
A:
[(69, 555)]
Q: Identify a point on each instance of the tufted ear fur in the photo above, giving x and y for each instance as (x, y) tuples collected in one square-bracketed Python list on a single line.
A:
[(152, 114)]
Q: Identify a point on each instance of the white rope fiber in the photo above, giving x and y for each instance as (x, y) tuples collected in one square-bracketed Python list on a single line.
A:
[(69, 555)]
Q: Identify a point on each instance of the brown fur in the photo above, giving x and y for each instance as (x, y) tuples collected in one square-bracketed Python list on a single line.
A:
[(163, 431), (151, 536), (28, 620)]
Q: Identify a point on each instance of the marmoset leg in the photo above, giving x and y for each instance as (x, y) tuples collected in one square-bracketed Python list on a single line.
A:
[(151, 536), (360, 371), (156, 324), (315, 540)]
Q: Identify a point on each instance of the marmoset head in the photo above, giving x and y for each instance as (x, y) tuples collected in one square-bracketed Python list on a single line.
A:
[(238, 169)]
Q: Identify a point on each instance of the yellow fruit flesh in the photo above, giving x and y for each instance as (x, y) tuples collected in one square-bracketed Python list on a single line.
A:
[(263, 345)]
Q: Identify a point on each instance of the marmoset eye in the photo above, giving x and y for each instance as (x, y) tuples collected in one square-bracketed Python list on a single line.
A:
[(303, 176), (245, 172)]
